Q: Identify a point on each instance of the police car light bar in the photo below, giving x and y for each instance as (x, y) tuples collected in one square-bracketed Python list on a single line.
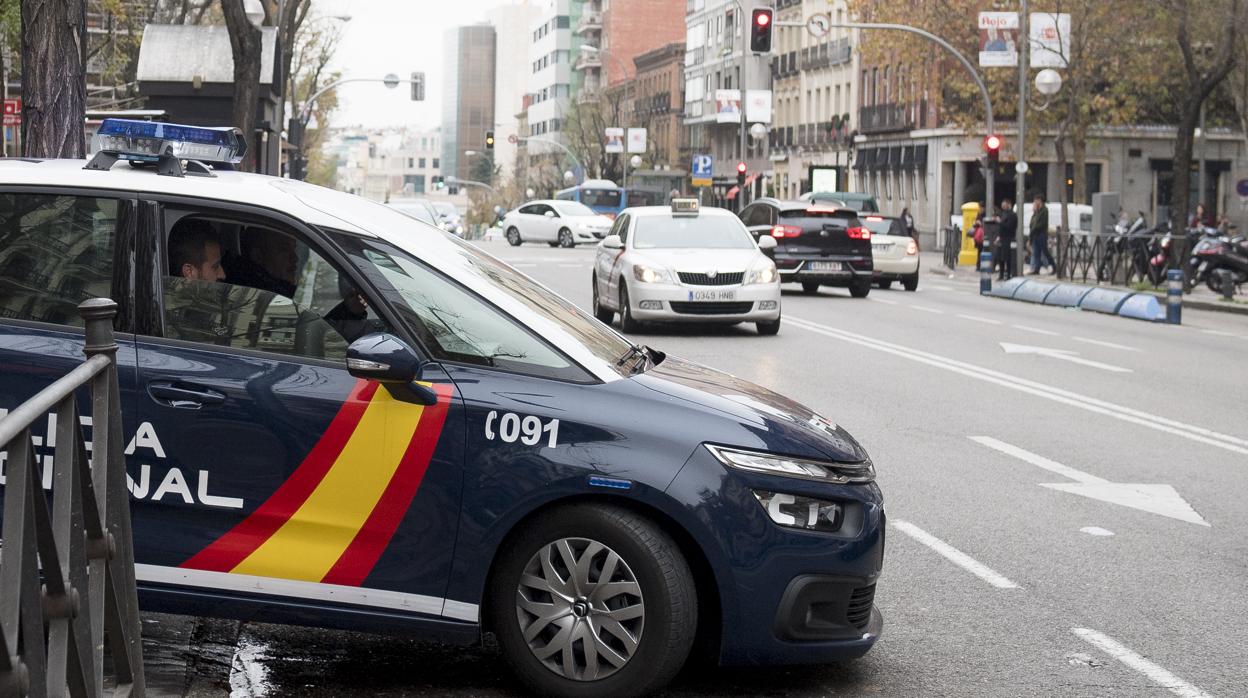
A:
[(684, 207), (159, 143)]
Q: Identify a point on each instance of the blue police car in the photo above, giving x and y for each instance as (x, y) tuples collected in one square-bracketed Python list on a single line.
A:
[(338, 416)]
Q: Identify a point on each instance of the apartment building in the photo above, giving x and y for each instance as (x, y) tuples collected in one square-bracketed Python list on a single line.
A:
[(511, 74), (385, 164), (468, 95), (654, 100), (552, 81), (622, 30)]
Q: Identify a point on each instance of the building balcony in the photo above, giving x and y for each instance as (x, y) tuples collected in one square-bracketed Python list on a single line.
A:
[(885, 118), (588, 95), (587, 61), (590, 23)]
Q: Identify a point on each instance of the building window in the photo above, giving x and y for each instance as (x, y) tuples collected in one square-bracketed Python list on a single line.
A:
[(410, 164), (422, 163), (435, 163), (563, 22)]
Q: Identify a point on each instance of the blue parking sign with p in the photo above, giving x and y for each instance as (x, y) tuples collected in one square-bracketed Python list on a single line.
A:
[(701, 170)]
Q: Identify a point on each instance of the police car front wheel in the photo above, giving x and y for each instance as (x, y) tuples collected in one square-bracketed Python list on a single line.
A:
[(594, 600)]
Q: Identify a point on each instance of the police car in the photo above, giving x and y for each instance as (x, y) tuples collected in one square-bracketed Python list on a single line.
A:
[(685, 264), (337, 417)]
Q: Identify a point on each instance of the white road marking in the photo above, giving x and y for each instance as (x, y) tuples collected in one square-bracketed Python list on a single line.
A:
[(1061, 355), (523, 265), (1037, 330), (1101, 343), (954, 555), (926, 309), (1096, 531), (1162, 500), (881, 300), (571, 266), (1023, 385), (1126, 655), (976, 318), (1220, 333)]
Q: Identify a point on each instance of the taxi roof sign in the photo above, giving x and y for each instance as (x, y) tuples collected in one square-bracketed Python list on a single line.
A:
[(165, 145), (684, 207)]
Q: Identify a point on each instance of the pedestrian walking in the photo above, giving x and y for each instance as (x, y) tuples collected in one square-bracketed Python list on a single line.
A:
[(1040, 256), (977, 234), (1006, 237)]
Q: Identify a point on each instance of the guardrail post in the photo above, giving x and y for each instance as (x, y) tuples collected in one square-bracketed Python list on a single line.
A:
[(1174, 296), (985, 271)]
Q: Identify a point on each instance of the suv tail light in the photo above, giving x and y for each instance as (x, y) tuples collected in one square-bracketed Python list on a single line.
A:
[(786, 231), (858, 233)]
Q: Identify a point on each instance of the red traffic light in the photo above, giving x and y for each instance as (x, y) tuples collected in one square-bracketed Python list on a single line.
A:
[(762, 19), (992, 143), (742, 168), (760, 29)]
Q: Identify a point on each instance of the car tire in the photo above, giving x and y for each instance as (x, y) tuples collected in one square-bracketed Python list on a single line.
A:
[(627, 323), (513, 237), (768, 329), (531, 572), (884, 284), (553, 244), (600, 312), (565, 238), (860, 289), (810, 288), (911, 282)]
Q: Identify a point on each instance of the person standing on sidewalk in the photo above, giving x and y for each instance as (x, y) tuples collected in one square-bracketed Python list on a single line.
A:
[(1006, 236), (1040, 256)]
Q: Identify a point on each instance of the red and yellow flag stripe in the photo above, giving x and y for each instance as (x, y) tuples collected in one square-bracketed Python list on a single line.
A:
[(331, 520)]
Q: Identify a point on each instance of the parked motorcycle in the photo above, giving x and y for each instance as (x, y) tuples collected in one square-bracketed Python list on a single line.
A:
[(1228, 253)]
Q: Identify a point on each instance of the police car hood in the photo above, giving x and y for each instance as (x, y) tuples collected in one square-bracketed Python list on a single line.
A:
[(782, 425)]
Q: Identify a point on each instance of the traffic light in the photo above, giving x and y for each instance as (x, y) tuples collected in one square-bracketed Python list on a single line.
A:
[(418, 87), (992, 146), (760, 29), (742, 170), (489, 140)]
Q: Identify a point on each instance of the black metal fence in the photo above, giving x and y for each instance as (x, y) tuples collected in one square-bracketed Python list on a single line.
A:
[(67, 586), (1123, 260)]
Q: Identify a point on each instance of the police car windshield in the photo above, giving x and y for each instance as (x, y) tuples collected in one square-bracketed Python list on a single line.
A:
[(685, 232)]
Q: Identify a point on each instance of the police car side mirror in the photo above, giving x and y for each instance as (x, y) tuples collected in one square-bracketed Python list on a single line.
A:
[(613, 242), (388, 360)]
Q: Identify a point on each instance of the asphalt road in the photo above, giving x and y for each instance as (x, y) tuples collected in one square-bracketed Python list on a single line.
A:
[(1068, 516)]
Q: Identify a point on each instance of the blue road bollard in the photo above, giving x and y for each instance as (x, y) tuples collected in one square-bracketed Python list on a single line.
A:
[(1174, 296), (985, 272)]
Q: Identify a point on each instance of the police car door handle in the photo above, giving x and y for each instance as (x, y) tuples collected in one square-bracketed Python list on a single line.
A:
[(183, 395)]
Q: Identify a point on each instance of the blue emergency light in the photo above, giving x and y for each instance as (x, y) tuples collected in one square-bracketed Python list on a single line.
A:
[(153, 142)]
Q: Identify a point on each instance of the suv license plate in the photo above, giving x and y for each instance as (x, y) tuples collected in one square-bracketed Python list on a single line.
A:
[(721, 295), (823, 266)]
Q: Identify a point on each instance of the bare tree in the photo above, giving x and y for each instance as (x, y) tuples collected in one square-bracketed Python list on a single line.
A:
[(54, 80), (245, 46), (1203, 73)]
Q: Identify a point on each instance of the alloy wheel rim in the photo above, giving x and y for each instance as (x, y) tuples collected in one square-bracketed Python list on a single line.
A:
[(580, 609)]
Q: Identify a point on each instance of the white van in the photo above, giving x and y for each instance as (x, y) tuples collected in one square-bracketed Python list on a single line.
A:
[(1080, 218)]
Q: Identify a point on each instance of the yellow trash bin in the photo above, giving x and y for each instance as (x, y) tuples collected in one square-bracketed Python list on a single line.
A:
[(970, 211)]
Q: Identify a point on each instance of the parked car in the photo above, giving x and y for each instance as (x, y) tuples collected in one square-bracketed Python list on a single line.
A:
[(448, 214), (683, 263), (894, 254), (851, 199), (816, 244), (555, 222), (420, 209)]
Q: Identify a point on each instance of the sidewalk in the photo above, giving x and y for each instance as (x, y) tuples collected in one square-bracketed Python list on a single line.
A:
[(1201, 298)]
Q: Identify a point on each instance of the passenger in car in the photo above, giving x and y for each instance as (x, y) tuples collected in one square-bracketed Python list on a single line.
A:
[(195, 251), (269, 262)]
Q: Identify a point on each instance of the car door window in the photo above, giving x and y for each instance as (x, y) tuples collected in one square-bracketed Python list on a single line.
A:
[(55, 252), (269, 292), (453, 323), (530, 209), (622, 222)]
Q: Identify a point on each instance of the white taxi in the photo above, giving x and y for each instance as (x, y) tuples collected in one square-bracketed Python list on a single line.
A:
[(894, 254), (683, 263)]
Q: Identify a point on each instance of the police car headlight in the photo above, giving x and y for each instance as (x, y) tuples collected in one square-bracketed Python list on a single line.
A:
[(762, 275), (651, 275), (787, 466)]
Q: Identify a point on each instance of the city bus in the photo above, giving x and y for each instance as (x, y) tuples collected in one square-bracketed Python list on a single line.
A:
[(608, 199)]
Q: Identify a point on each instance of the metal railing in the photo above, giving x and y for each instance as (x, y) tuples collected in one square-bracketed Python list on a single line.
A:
[(952, 246), (1118, 260), (67, 582)]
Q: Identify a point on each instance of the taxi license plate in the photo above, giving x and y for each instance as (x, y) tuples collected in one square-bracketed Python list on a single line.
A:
[(720, 295), (823, 266), (880, 247)]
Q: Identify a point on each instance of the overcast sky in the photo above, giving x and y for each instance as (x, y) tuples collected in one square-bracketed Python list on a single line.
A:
[(397, 36)]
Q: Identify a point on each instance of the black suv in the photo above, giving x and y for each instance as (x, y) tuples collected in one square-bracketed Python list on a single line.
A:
[(816, 244)]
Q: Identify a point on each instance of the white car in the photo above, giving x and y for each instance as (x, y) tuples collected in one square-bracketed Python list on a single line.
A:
[(681, 264), (555, 222), (894, 254)]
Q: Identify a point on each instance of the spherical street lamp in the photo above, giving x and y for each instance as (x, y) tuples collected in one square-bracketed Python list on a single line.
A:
[(758, 132), (1048, 82), (529, 193), (635, 161), (568, 177)]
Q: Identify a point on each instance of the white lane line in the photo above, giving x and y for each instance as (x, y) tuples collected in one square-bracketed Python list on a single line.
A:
[(1220, 333), (976, 318), (1060, 355), (882, 300), (523, 265), (1038, 460), (1126, 655), (953, 555), (926, 309), (1101, 343), (1037, 330), (1024, 385), (1096, 531), (571, 266)]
